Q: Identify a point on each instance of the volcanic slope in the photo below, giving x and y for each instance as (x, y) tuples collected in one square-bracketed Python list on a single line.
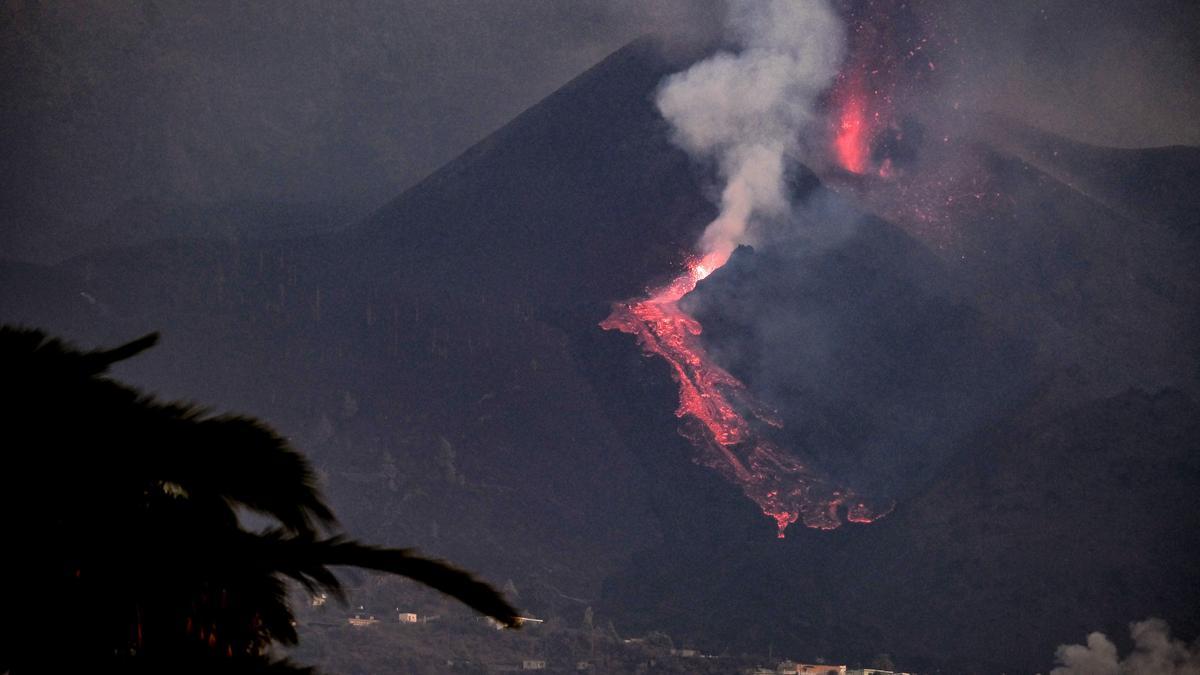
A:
[(1009, 346), (426, 358)]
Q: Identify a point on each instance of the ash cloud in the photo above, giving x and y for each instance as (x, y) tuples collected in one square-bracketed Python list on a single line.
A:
[(747, 110), (1155, 652)]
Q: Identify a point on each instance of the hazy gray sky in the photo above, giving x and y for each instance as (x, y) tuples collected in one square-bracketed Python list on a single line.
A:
[(107, 101), (1113, 72)]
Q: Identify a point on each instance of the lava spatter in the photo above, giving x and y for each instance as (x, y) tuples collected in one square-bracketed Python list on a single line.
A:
[(852, 137), (890, 56)]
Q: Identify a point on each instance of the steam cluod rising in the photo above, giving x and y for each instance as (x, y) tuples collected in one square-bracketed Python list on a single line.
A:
[(1154, 653), (748, 110)]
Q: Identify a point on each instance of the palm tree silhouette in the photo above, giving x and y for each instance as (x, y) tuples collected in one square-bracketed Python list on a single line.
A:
[(123, 546)]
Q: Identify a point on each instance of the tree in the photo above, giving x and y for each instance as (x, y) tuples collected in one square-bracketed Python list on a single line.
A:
[(124, 549)]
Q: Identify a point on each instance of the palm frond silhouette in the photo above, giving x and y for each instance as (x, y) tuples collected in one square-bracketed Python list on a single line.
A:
[(124, 548)]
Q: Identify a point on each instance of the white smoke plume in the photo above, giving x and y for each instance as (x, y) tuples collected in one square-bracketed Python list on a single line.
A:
[(747, 110), (1154, 653)]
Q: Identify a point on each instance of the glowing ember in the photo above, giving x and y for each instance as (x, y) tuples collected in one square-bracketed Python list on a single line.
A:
[(723, 420)]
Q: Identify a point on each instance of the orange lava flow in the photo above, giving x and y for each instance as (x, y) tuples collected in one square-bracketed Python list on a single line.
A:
[(725, 423)]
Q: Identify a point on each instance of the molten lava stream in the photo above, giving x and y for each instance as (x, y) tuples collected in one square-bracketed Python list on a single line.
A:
[(711, 403)]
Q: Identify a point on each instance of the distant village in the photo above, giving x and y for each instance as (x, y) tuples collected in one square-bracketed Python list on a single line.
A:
[(623, 655)]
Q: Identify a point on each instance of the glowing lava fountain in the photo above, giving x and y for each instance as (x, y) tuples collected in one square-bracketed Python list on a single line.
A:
[(725, 423), (852, 138)]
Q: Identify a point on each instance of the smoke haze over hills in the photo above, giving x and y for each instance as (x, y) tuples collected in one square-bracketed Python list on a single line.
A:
[(109, 104)]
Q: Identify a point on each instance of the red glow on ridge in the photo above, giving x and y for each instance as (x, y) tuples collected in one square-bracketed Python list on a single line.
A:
[(723, 420)]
